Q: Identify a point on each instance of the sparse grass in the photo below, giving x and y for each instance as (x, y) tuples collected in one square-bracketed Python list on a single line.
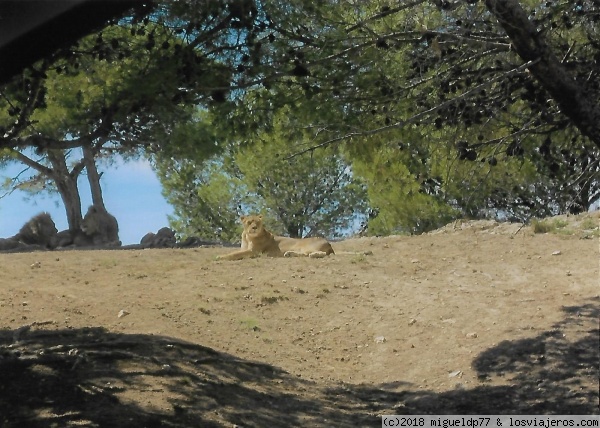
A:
[(565, 231), (271, 299), (323, 293), (557, 226), (107, 263), (560, 224), (589, 224), (358, 258), (540, 226), (250, 324)]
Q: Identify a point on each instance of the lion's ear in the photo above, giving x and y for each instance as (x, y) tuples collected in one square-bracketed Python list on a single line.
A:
[(243, 218), (260, 216)]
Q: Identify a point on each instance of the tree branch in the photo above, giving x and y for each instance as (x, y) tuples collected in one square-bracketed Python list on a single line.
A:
[(31, 163), (384, 13), (417, 116), (573, 99)]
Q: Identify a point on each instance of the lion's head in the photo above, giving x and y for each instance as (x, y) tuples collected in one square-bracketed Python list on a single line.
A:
[(40, 230), (253, 225)]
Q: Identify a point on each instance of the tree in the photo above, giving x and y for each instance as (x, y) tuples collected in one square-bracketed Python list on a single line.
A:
[(567, 90), (116, 91), (450, 72), (206, 201), (313, 194), (486, 81)]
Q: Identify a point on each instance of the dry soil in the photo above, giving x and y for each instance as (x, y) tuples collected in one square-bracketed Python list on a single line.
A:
[(475, 318)]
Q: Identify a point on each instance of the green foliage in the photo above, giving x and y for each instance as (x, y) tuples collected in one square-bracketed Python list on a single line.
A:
[(504, 149), (121, 90), (306, 194), (310, 193), (396, 198), (556, 226), (441, 117), (205, 198)]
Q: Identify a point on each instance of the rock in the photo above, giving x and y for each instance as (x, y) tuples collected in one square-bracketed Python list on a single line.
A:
[(380, 339), (456, 373), (556, 253), (164, 238), (412, 321), (122, 313), (472, 335)]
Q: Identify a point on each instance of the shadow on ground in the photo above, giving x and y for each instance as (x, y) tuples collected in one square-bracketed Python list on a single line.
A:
[(93, 377)]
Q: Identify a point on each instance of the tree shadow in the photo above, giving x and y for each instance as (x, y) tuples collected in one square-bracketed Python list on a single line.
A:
[(93, 377), (555, 372)]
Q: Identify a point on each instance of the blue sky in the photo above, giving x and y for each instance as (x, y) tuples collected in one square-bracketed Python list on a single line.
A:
[(131, 190)]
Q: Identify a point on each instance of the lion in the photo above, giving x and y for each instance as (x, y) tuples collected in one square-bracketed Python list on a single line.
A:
[(40, 231), (256, 239), (100, 227)]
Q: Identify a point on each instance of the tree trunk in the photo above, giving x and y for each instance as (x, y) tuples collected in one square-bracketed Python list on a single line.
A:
[(294, 230), (573, 99), (66, 183), (69, 194), (93, 177)]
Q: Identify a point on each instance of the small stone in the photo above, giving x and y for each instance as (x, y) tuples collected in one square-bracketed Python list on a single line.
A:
[(456, 373), (414, 261), (412, 321), (472, 335), (123, 313), (36, 265), (556, 253), (380, 339)]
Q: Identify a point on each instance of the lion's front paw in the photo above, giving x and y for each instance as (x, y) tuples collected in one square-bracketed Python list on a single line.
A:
[(317, 255)]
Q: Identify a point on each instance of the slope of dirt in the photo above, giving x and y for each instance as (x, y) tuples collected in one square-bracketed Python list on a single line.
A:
[(472, 318)]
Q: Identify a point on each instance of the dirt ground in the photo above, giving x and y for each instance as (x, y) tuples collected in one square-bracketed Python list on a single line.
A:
[(475, 318)]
